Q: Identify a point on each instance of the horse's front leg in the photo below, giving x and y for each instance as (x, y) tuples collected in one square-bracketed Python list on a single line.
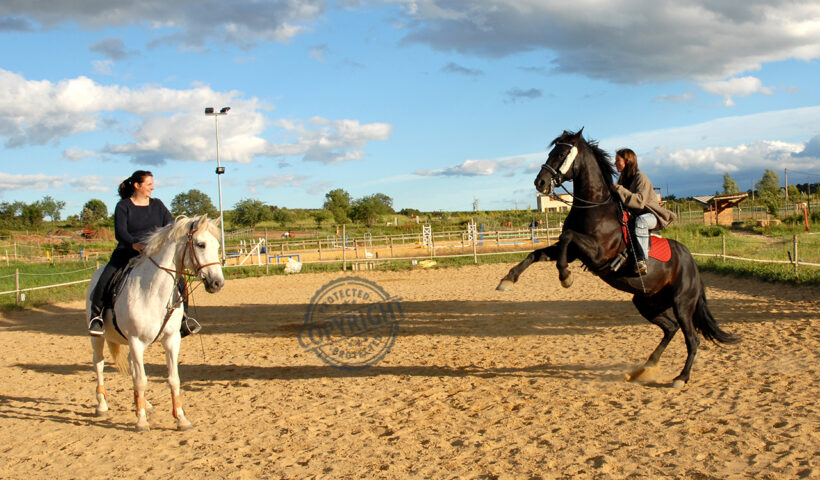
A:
[(97, 344), (140, 384), (171, 345), (540, 255), (562, 260)]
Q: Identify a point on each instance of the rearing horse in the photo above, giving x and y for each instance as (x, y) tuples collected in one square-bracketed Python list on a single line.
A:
[(671, 294)]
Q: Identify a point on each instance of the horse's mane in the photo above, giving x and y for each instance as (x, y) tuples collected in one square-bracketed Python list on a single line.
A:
[(607, 168), (173, 232)]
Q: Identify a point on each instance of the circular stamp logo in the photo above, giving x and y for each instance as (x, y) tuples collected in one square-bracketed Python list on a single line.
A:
[(351, 323)]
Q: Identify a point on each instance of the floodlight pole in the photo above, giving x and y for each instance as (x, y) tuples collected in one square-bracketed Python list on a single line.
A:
[(219, 171)]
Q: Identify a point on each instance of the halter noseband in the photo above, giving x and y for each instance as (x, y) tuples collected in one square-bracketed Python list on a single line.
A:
[(558, 176)]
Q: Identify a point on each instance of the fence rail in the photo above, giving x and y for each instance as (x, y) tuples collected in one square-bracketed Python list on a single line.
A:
[(489, 239)]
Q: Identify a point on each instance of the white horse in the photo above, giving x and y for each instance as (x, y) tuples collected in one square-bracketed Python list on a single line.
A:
[(149, 307)]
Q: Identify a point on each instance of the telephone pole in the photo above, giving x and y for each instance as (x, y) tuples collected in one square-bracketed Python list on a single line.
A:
[(786, 174)]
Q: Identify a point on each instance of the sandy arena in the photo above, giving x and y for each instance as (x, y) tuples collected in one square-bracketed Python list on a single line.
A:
[(479, 384)]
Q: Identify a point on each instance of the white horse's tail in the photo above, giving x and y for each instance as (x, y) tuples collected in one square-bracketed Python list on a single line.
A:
[(120, 357)]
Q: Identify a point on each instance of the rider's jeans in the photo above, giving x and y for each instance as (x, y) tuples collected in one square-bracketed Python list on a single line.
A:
[(643, 224)]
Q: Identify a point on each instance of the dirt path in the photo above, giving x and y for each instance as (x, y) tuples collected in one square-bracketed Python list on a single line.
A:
[(479, 384)]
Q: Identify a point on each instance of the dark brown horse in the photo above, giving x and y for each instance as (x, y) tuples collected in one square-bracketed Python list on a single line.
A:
[(670, 295)]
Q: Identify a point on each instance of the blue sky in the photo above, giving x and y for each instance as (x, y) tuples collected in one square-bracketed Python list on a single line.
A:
[(432, 102)]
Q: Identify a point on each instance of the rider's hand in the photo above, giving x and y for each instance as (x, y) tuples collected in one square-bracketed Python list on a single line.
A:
[(138, 247), (614, 187)]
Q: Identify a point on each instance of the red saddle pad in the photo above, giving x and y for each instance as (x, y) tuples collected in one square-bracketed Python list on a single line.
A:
[(659, 249)]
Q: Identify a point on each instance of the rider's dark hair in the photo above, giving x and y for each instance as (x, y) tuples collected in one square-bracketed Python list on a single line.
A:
[(631, 161), (126, 188)]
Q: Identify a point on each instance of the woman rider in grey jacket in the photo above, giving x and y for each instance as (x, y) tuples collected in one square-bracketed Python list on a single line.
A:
[(637, 194)]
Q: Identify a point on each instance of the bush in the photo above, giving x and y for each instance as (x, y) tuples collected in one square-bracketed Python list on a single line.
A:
[(712, 231)]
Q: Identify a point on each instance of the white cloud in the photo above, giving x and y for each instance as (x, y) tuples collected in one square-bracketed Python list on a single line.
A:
[(171, 123), (328, 141), (630, 42), (90, 183), (30, 182), (680, 98), (735, 87), (241, 22), (77, 154), (755, 156), (484, 167)]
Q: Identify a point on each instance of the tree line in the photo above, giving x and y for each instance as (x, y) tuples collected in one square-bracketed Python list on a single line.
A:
[(338, 207)]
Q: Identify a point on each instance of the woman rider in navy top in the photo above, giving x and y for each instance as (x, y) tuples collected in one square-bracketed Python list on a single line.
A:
[(136, 216)]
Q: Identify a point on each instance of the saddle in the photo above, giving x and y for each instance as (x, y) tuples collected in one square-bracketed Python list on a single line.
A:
[(658, 246), (115, 286), (114, 289)]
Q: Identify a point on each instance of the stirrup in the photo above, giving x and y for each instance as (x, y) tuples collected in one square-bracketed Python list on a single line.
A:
[(96, 327), (189, 326), (640, 267)]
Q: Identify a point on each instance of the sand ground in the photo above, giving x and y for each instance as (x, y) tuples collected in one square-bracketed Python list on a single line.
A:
[(479, 384)]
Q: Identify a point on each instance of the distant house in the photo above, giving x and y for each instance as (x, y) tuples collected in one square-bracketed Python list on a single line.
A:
[(554, 203), (720, 209)]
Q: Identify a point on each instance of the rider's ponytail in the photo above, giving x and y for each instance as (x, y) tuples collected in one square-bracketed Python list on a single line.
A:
[(126, 188)]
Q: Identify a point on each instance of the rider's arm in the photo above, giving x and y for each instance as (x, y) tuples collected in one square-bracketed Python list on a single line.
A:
[(639, 193), (121, 224)]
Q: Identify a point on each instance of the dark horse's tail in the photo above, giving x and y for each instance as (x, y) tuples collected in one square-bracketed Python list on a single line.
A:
[(706, 323)]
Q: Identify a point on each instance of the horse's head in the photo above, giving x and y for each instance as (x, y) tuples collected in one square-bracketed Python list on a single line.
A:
[(560, 161), (203, 253)]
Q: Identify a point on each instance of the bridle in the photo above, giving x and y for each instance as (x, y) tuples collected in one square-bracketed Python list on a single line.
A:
[(188, 249), (557, 178)]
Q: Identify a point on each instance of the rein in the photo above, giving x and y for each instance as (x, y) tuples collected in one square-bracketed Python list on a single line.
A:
[(189, 247)]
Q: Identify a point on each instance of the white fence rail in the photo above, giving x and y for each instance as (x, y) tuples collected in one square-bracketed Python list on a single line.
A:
[(489, 238)]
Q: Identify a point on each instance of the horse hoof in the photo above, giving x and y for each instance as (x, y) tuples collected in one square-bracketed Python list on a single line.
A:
[(101, 414), (567, 282), (678, 384), (184, 428), (504, 286), (142, 428)]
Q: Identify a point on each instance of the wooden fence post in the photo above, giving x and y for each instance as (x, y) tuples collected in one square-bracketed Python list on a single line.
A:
[(17, 286), (391, 247), (267, 253), (475, 242), (344, 248), (723, 239)]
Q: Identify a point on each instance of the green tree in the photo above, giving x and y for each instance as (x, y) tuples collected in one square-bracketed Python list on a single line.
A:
[(338, 202), (282, 215), (769, 185), (33, 214), (248, 212), (321, 216), (794, 194), (10, 212), (193, 202), (52, 208), (94, 211), (368, 209), (729, 184)]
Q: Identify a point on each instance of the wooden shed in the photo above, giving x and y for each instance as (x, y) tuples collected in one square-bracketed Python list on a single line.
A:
[(720, 209)]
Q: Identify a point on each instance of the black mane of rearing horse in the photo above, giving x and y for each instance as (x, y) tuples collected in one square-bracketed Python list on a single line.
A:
[(671, 295)]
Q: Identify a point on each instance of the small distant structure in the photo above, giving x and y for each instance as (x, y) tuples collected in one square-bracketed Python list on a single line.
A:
[(720, 209), (554, 203)]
